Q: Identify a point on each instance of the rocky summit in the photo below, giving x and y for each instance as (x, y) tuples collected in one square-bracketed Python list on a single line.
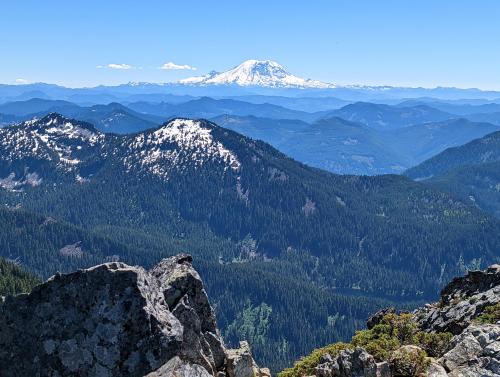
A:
[(119, 320)]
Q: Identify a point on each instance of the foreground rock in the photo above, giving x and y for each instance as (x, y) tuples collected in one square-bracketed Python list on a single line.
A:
[(356, 362), (117, 320), (475, 352)]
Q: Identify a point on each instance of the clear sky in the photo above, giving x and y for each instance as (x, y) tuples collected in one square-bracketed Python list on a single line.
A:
[(400, 42)]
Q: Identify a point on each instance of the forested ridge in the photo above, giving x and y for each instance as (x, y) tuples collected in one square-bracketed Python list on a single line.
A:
[(471, 172), (13, 280)]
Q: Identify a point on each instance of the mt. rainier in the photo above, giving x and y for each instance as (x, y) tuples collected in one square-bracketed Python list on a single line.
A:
[(265, 73)]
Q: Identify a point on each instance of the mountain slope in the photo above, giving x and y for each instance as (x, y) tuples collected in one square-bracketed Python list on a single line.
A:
[(483, 150), (386, 117), (14, 280), (332, 144), (45, 245), (115, 118), (493, 118), (427, 140), (256, 73), (112, 117), (36, 106), (272, 131), (471, 171), (209, 174), (345, 147)]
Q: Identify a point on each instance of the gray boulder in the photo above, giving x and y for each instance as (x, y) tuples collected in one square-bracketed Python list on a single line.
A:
[(475, 352), (240, 363), (350, 363), (115, 320)]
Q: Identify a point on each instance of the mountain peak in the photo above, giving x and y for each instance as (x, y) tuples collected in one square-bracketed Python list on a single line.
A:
[(266, 73), (55, 123), (177, 144)]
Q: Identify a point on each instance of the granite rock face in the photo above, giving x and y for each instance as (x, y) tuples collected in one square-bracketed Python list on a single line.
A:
[(116, 320), (475, 352), (462, 300)]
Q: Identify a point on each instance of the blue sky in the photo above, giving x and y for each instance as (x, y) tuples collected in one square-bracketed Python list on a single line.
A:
[(406, 43)]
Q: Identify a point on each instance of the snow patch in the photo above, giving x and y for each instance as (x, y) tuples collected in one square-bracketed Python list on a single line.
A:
[(179, 143)]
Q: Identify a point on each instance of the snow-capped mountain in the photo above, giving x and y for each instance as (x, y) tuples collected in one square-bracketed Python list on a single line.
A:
[(176, 145), (56, 148), (52, 146), (265, 73)]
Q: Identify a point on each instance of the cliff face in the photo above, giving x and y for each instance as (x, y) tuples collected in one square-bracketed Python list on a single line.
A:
[(118, 320)]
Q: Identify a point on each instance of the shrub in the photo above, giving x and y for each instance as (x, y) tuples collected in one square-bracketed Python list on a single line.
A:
[(396, 338), (409, 361), (434, 344), (393, 331), (305, 366), (491, 314)]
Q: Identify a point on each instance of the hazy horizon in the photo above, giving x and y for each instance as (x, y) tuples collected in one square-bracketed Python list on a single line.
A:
[(418, 44)]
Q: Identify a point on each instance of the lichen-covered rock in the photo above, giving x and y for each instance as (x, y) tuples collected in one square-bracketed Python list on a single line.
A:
[(475, 352), (436, 370), (349, 363), (115, 320), (462, 300)]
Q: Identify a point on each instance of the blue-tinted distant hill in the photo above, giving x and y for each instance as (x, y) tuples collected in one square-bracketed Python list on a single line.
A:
[(345, 147), (307, 104), (386, 117), (426, 140), (106, 94), (470, 171), (207, 108), (112, 117)]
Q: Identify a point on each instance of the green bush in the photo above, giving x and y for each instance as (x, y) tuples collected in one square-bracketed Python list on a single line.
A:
[(434, 344), (385, 341), (305, 366), (409, 361), (491, 314)]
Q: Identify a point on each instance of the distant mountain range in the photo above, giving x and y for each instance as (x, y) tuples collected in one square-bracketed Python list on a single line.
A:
[(112, 117), (345, 147), (210, 174), (252, 77), (360, 138)]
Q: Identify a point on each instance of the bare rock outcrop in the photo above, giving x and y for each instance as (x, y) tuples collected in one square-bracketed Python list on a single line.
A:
[(462, 300), (352, 363), (116, 320), (475, 352)]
